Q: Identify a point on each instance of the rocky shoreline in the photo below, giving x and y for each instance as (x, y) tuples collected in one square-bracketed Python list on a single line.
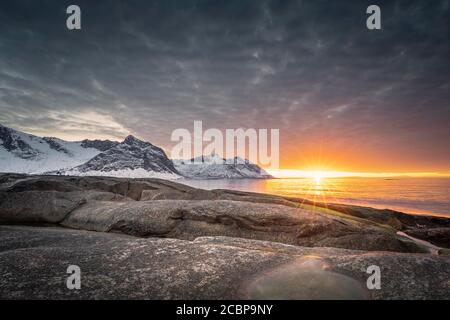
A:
[(157, 239)]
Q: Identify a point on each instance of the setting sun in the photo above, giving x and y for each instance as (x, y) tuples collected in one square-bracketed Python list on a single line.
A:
[(318, 175)]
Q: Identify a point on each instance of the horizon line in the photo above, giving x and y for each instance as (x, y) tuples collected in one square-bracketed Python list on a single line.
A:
[(314, 174)]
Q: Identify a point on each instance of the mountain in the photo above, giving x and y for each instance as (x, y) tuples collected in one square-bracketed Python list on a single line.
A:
[(132, 158), (26, 153), (101, 145), (215, 167)]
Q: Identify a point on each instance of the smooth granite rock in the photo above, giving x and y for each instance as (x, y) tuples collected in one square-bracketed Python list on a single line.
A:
[(34, 261), (159, 208)]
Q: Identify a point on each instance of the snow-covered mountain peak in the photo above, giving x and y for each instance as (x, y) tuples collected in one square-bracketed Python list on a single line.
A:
[(215, 167), (209, 159), (133, 140), (22, 145), (130, 158), (25, 153)]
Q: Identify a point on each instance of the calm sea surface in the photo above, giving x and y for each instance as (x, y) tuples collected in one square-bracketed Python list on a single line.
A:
[(410, 195)]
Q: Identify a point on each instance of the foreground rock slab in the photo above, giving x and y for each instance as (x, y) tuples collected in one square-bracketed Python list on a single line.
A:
[(34, 260), (158, 208)]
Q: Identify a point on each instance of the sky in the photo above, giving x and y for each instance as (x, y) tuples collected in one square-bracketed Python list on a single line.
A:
[(344, 97)]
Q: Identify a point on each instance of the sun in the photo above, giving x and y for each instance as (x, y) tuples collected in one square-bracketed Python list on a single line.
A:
[(317, 176)]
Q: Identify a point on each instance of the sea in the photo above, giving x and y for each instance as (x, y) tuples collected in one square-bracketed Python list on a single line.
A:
[(428, 196)]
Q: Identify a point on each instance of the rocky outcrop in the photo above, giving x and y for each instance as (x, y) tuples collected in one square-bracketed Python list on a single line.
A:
[(157, 239), (188, 219), (34, 261), (436, 236), (159, 208), (101, 145)]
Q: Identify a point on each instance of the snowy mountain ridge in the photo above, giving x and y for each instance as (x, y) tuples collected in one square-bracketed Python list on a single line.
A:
[(133, 158), (27, 153), (216, 167)]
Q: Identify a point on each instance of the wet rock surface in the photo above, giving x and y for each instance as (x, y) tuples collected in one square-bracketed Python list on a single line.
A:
[(306, 278)]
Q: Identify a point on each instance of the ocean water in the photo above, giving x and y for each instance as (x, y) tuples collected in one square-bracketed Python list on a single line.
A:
[(409, 195)]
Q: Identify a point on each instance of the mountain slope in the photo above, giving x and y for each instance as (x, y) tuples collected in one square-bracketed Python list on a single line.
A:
[(131, 158), (215, 167), (26, 153)]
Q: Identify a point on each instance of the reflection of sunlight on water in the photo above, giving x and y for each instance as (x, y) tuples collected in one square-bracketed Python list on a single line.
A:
[(318, 186), (412, 195), (315, 188)]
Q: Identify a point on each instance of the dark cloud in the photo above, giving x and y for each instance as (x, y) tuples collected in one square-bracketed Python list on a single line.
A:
[(310, 68)]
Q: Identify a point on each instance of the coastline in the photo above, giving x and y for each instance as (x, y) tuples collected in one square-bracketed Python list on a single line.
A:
[(159, 239)]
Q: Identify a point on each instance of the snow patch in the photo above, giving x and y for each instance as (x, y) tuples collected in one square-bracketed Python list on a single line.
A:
[(125, 173)]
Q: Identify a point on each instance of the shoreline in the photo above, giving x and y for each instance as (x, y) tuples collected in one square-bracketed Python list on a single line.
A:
[(159, 239), (10, 182)]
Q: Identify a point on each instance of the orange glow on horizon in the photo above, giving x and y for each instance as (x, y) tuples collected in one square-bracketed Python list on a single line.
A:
[(318, 175)]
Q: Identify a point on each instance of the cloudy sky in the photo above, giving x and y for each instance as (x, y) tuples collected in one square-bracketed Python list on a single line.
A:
[(343, 96)]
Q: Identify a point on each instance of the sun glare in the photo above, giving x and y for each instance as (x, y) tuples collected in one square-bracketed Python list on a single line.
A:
[(319, 175), (316, 175)]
